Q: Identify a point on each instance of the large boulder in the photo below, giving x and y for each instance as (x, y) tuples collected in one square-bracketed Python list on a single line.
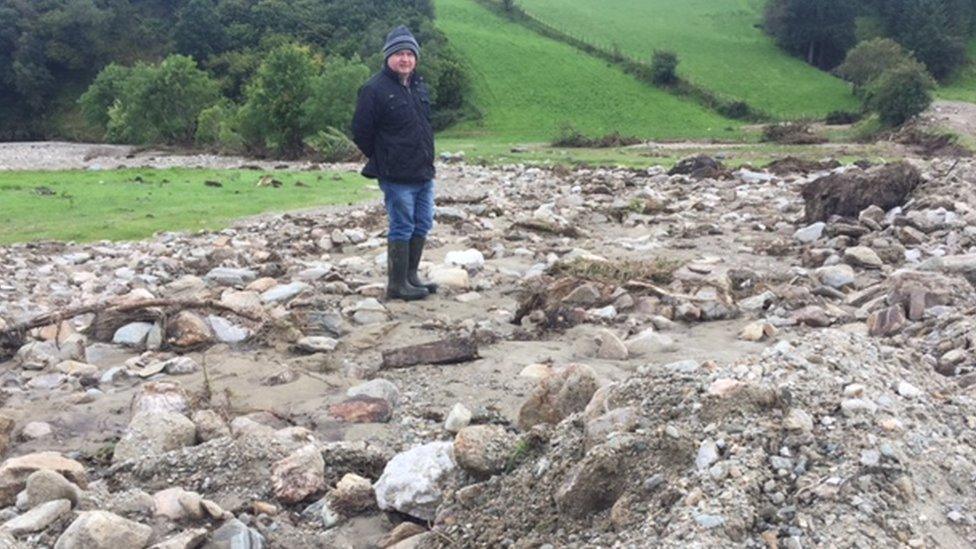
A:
[(847, 194), (413, 482)]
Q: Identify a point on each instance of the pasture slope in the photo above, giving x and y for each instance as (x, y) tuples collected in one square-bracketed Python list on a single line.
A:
[(717, 41), (529, 86)]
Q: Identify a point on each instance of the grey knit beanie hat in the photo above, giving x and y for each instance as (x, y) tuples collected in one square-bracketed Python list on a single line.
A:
[(399, 39)]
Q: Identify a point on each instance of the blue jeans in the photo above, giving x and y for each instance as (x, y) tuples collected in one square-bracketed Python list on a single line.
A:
[(409, 208)]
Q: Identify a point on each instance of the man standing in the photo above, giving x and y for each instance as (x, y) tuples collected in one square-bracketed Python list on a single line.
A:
[(392, 128)]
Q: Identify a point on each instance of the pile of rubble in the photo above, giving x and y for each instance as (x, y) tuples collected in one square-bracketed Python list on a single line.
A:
[(776, 357)]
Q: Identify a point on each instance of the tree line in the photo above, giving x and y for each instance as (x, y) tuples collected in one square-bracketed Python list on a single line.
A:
[(823, 31), (892, 51), (262, 76)]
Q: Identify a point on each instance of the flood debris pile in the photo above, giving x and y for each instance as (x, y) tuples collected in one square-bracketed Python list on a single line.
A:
[(779, 357)]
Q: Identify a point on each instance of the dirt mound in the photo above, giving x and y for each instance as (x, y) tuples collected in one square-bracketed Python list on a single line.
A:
[(806, 445), (699, 167), (847, 194), (792, 164)]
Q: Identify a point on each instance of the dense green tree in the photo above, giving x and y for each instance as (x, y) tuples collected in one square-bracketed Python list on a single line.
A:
[(869, 59), (161, 104), (819, 31), (273, 117), (198, 32), (102, 94), (900, 93), (930, 30), (332, 96)]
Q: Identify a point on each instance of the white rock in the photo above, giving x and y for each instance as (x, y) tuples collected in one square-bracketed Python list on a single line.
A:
[(316, 344), (707, 455), (459, 418), (811, 233), (908, 390), (468, 259), (231, 277), (450, 277), (133, 334), (284, 292), (413, 482), (227, 332), (35, 430)]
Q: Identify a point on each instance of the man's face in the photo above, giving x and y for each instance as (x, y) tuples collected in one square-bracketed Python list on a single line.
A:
[(402, 62)]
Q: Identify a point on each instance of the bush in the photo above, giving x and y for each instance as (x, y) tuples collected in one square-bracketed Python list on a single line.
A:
[(571, 137), (332, 96), (102, 93), (791, 133), (869, 59), (839, 118), (331, 145), (736, 110), (664, 65), (900, 93), (160, 104), (273, 118), (217, 127)]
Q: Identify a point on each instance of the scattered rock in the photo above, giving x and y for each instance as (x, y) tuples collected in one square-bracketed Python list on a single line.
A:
[(483, 450), (152, 433), (413, 482), (362, 409), (299, 475), (103, 530), (458, 419), (566, 391), (38, 518)]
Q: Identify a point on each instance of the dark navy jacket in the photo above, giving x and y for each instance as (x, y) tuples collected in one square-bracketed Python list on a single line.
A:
[(392, 128)]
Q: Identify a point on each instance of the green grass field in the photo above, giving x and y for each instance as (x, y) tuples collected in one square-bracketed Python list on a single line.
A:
[(135, 203), (528, 86), (718, 45), (963, 86)]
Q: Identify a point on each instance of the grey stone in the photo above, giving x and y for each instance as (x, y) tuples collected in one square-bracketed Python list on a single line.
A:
[(376, 388), (152, 433), (227, 332), (231, 277), (234, 534), (810, 233), (38, 518), (284, 292), (837, 276), (707, 455), (45, 485), (104, 530), (133, 334)]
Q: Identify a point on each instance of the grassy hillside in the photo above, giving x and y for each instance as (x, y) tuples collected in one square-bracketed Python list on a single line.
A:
[(528, 86), (718, 44)]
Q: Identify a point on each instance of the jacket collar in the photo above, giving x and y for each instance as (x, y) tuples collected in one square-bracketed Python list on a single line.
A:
[(396, 77)]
